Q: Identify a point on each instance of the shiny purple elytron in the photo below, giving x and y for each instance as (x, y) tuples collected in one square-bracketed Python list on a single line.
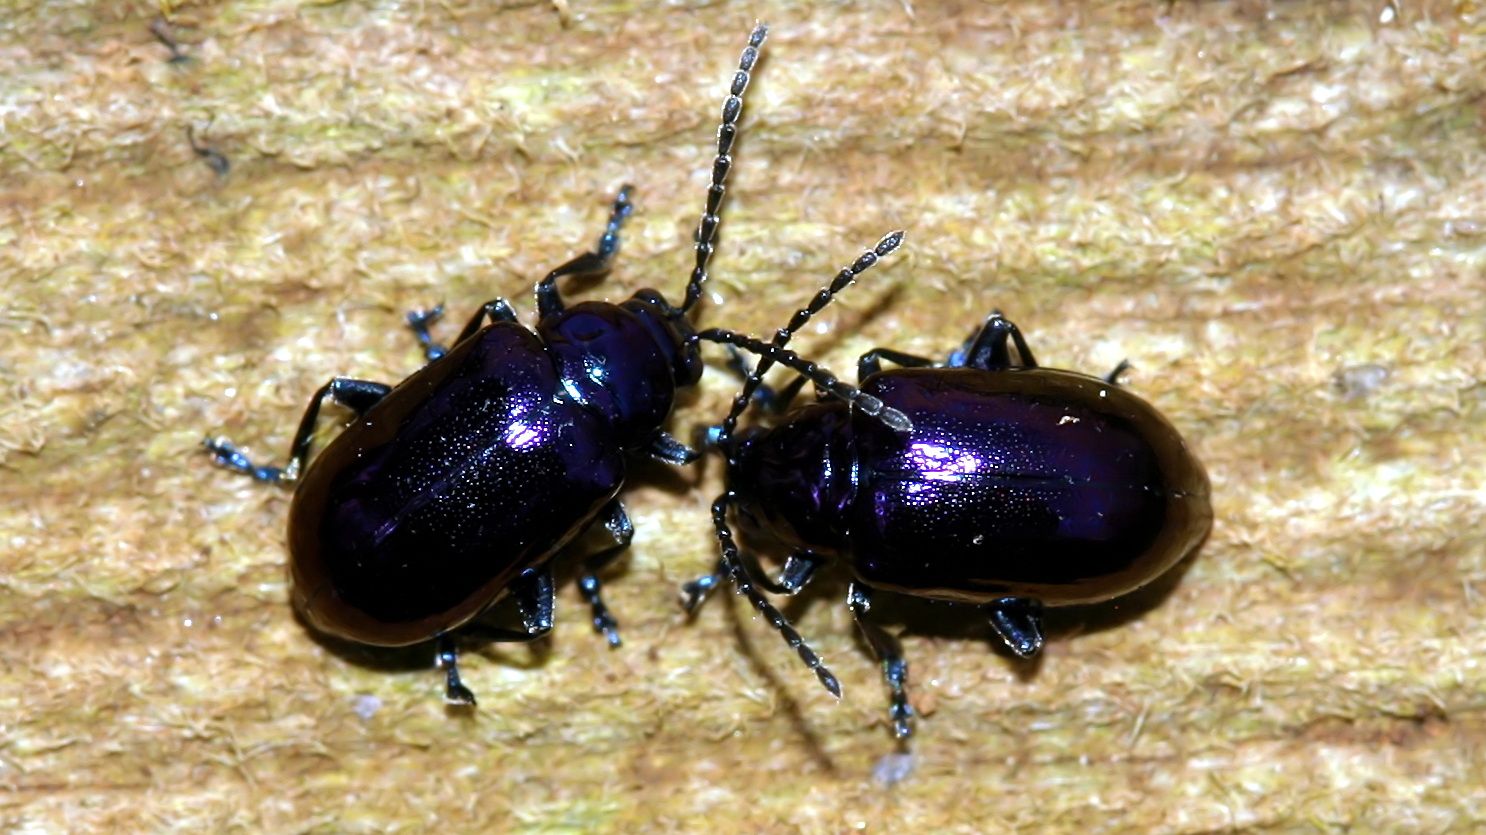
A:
[(1016, 488)]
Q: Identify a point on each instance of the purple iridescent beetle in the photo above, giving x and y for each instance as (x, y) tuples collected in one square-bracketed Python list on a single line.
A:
[(1016, 488)]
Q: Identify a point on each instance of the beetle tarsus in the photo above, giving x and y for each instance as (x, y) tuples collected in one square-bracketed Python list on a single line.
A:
[(419, 320), (1113, 377), (455, 693), (696, 592), (1018, 623), (227, 455), (603, 622)]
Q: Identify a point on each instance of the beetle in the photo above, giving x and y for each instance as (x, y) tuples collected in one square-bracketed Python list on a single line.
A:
[(1013, 488), (457, 488)]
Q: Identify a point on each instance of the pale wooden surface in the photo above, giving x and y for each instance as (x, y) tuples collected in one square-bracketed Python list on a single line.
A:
[(1243, 198)]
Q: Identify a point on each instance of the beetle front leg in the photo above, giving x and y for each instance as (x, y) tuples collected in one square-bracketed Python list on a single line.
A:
[(799, 569), (618, 523), (357, 395), (890, 652), (549, 300), (1018, 623), (667, 450)]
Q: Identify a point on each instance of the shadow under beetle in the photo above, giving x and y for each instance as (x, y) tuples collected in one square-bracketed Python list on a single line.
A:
[(456, 488), (1016, 487)]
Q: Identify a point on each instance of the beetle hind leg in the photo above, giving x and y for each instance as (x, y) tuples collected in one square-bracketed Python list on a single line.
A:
[(890, 652), (533, 593), (357, 395)]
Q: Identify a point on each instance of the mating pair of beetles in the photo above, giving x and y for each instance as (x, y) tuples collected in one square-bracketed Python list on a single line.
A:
[(984, 481)]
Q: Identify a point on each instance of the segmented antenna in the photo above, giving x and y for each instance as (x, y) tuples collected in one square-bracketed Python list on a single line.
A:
[(726, 133), (775, 352), (744, 583), (823, 297), (822, 378)]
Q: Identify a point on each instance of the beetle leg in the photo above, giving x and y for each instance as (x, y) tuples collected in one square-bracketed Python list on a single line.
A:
[(871, 362), (617, 521), (799, 570), (533, 593), (668, 450), (357, 395), (498, 310), (696, 592), (1113, 377), (1018, 623), (418, 321), (890, 652), (960, 355), (455, 693), (990, 351), (781, 400), (549, 300)]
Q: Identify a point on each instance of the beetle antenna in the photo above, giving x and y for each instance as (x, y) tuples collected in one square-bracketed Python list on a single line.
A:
[(743, 581), (823, 297), (726, 133), (822, 378)]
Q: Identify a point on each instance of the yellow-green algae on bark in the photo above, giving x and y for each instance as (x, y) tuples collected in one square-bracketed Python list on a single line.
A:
[(1246, 199)]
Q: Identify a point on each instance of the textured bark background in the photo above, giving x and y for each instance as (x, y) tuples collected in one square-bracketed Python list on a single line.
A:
[(1276, 211)]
